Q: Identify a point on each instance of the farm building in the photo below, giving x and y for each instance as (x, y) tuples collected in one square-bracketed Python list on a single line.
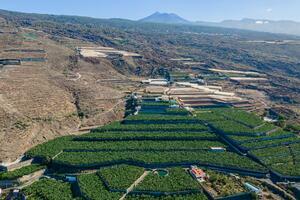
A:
[(252, 188), (198, 173), (155, 81)]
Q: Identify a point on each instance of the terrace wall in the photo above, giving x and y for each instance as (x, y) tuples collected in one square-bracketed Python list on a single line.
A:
[(18, 165), (277, 177), (10, 61), (246, 172), (31, 177), (239, 196)]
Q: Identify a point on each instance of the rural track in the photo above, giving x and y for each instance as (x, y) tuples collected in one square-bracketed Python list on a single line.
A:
[(136, 182)]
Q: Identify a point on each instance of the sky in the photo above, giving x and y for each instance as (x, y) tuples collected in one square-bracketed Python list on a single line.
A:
[(194, 10)]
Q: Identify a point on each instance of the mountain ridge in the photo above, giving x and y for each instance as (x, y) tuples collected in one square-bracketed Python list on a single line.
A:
[(264, 25), (169, 18)]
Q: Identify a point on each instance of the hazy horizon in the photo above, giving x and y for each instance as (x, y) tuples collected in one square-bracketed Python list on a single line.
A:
[(193, 10)]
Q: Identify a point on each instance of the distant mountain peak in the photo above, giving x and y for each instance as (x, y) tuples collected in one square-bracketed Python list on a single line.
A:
[(264, 25), (168, 18)]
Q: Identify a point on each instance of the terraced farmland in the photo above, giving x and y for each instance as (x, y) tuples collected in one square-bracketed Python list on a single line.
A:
[(277, 149), (122, 151), (176, 180), (145, 140)]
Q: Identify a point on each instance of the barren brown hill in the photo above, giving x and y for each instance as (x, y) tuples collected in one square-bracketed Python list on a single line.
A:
[(44, 99)]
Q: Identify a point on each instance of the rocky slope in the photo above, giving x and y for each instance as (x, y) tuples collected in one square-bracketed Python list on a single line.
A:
[(43, 100)]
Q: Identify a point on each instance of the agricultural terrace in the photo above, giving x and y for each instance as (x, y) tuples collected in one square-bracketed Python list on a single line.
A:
[(11, 175), (91, 187), (176, 180), (49, 189), (284, 159), (178, 76), (148, 140), (120, 177), (124, 156), (113, 182), (276, 148)]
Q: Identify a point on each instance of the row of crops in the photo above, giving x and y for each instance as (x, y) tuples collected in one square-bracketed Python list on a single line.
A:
[(157, 135), (49, 189), (274, 147), (196, 127), (53, 147), (282, 159), (160, 119), (157, 158), (12, 175), (248, 119), (234, 121)]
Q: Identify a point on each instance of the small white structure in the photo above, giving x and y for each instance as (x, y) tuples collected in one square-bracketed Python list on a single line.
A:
[(158, 83), (155, 81), (252, 188), (158, 99), (138, 108), (174, 106), (16, 193), (146, 81), (248, 79), (217, 149), (267, 119)]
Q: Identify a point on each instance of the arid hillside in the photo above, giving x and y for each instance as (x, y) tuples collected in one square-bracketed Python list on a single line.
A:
[(53, 92)]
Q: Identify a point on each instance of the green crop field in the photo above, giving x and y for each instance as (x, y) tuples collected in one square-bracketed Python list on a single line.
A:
[(283, 159), (120, 176), (177, 180), (91, 187), (49, 189), (274, 147), (147, 144), (157, 135), (122, 151), (11, 175)]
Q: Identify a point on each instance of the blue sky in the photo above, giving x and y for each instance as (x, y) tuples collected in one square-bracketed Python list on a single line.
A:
[(196, 10)]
